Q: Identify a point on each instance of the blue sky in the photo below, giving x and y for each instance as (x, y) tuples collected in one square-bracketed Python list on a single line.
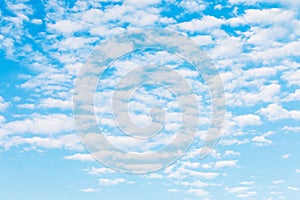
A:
[(254, 45)]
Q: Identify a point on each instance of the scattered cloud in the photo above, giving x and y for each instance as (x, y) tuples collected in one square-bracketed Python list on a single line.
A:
[(90, 190), (275, 112), (226, 163), (247, 120), (286, 156), (241, 192), (111, 182), (262, 139), (80, 157), (231, 153), (247, 183), (295, 189), (3, 105), (278, 182), (295, 129), (254, 49), (39, 124), (65, 26)]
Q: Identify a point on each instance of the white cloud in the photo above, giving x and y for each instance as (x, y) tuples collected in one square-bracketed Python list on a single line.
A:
[(237, 189), (292, 77), (191, 164), (248, 2), (235, 141), (231, 153), (266, 93), (262, 140), (141, 3), (173, 190), (247, 120), (293, 96), (241, 192), (92, 15), (2, 119), (110, 182), (260, 72), (206, 166), (90, 190), (40, 124), (197, 184), (80, 157), (182, 172), (203, 40), (275, 112), (193, 5), (36, 21), (226, 163), (73, 43), (56, 103), (70, 142), (295, 189), (297, 171), (66, 26), (198, 192), (26, 106), (227, 47), (264, 17), (154, 176), (56, 85), (17, 98), (198, 25), (278, 181), (100, 171), (247, 183), (263, 38), (3, 105), (291, 3), (291, 129), (286, 156)]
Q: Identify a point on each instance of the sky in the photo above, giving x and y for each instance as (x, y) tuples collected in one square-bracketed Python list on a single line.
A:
[(254, 46)]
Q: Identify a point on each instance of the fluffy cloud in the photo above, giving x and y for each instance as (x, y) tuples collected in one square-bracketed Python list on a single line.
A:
[(264, 17), (271, 36), (80, 157), (89, 190), (40, 124), (110, 182), (291, 129), (3, 105), (56, 103), (141, 3), (286, 156), (2, 120), (70, 142), (198, 192), (100, 171), (65, 26), (275, 112), (278, 182), (231, 153), (295, 189), (241, 192), (226, 163), (292, 77), (262, 139), (293, 96), (266, 93), (249, 119), (198, 25)]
